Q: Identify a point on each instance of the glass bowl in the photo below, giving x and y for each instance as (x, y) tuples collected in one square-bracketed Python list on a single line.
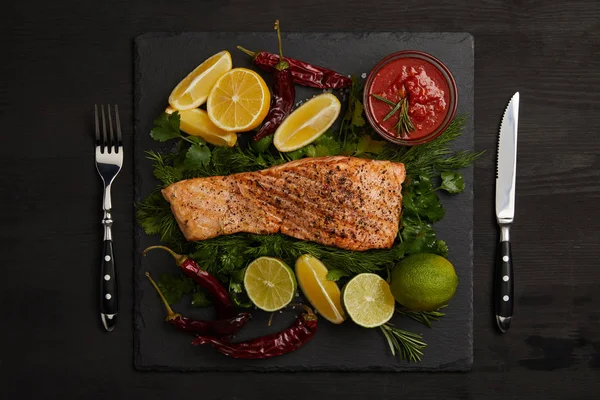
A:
[(452, 96)]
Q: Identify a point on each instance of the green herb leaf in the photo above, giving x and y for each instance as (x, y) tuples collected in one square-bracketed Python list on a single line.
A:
[(164, 172), (406, 345), (200, 299), (232, 259), (424, 317), (336, 274), (327, 145), (262, 145), (452, 182), (421, 201), (166, 127), (173, 287), (441, 248), (296, 154), (310, 151), (197, 155), (155, 216), (236, 289), (357, 114), (195, 140), (366, 145)]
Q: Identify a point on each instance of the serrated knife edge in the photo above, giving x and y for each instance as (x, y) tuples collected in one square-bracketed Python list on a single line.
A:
[(506, 162)]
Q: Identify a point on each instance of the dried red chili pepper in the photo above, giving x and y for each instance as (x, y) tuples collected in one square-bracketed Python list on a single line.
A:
[(284, 94), (220, 327), (221, 299), (303, 73), (286, 341)]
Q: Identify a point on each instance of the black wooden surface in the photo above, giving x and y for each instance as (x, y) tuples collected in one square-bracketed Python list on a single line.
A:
[(334, 348), (59, 58)]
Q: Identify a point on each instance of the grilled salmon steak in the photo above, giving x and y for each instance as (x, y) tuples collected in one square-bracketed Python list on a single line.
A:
[(347, 202)]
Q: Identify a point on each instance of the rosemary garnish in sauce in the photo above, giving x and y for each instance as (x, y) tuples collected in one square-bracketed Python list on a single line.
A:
[(404, 125)]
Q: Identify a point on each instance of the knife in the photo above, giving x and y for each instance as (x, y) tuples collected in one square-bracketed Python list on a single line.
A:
[(506, 171)]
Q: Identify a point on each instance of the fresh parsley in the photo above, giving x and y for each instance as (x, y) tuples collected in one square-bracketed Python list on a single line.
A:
[(175, 287)]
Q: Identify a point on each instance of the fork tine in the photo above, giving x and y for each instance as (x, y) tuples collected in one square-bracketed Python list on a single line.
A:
[(112, 141), (97, 125), (104, 141), (118, 123)]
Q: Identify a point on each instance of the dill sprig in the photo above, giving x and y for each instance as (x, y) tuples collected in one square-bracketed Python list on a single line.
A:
[(406, 345), (155, 216), (435, 156), (223, 255)]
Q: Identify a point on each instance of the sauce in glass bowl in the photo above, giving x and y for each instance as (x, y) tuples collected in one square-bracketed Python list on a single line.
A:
[(424, 84)]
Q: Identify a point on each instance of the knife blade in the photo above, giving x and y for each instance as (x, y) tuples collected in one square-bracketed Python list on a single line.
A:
[(506, 171)]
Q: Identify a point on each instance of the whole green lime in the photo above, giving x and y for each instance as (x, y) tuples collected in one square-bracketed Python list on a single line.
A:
[(424, 282)]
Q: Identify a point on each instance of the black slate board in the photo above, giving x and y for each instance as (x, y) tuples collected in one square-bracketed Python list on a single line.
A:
[(161, 60)]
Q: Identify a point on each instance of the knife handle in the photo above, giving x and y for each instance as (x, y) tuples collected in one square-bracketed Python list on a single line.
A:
[(109, 305), (504, 284)]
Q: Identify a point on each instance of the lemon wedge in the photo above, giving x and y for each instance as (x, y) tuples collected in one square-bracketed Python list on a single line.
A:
[(324, 295), (239, 101), (195, 122), (194, 89), (307, 122)]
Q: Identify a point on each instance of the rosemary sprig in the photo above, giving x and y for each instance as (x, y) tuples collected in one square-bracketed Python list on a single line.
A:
[(406, 345), (424, 317), (404, 125)]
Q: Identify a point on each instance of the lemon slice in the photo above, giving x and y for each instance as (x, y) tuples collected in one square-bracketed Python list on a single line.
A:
[(368, 300), (193, 90), (307, 122), (195, 122), (269, 283), (324, 295), (239, 101)]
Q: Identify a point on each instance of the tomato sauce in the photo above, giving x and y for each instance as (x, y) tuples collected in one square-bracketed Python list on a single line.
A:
[(424, 86)]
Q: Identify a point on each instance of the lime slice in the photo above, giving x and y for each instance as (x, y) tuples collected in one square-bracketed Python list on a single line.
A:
[(368, 300), (270, 283)]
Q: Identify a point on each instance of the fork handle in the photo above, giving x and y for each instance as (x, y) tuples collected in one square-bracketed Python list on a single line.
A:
[(109, 305)]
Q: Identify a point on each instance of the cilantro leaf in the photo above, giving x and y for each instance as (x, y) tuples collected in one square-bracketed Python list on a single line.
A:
[(336, 274), (296, 154), (310, 150), (172, 287), (197, 155), (166, 127), (452, 182), (357, 118), (232, 260), (236, 289), (327, 145), (368, 145), (200, 299), (421, 201)]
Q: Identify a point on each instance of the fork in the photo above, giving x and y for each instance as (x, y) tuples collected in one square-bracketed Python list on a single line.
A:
[(109, 159)]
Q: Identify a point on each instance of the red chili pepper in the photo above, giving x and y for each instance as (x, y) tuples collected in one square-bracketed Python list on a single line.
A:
[(286, 341), (221, 327), (284, 94), (221, 299), (303, 73)]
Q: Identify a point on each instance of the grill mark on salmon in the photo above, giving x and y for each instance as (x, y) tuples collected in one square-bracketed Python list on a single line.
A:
[(346, 202)]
